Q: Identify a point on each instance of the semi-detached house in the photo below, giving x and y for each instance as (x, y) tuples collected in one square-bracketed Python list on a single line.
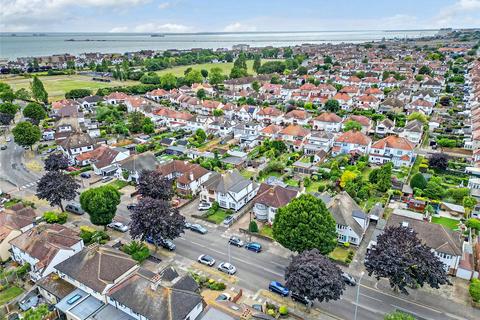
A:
[(231, 190), (394, 149), (351, 142)]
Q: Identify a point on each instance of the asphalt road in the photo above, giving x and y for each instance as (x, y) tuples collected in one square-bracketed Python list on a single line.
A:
[(13, 174)]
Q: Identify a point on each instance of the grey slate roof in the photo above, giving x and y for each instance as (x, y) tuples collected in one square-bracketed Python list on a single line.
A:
[(139, 162), (343, 209), (434, 235), (155, 299), (231, 181)]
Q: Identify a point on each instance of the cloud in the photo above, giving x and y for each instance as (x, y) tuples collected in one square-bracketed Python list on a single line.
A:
[(119, 29), (31, 14), (459, 13), (166, 27), (239, 27), (164, 5)]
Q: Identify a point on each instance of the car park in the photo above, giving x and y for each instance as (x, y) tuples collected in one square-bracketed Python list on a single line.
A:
[(118, 226), (204, 206), (254, 246), (228, 221), (198, 228), (279, 288), (348, 279), (75, 208), (301, 299), (206, 260), (227, 268), (85, 175), (236, 241)]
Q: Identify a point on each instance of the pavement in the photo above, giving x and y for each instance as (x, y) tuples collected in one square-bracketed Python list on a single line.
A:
[(372, 298)]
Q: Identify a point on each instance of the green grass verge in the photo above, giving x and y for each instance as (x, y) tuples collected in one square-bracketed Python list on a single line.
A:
[(267, 231), (9, 294), (446, 222)]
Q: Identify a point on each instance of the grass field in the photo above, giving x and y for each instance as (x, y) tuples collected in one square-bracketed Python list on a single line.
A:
[(56, 86), (226, 67), (339, 254), (446, 222)]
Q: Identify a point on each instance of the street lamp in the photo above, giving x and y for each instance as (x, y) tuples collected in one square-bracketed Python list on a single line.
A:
[(358, 294)]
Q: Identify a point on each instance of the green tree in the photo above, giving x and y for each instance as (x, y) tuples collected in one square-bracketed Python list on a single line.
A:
[(434, 189), (418, 181), (305, 224), (256, 86), (352, 125), (257, 63), (101, 204), (148, 126), (200, 136), (23, 94), (6, 93), (135, 121), (194, 76), (38, 90), (474, 289), (201, 94), (26, 134), (469, 202), (238, 73), (78, 93), (34, 111), (385, 177), (9, 108), (253, 227), (168, 81), (216, 76), (204, 73), (473, 223), (217, 112), (417, 116), (332, 105)]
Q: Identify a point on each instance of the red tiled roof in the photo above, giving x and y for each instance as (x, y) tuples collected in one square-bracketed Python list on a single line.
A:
[(354, 137), (394, 142)]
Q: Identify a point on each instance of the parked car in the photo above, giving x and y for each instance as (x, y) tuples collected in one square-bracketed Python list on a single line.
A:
[(254, 246), (204, 206), (8, 139), (3, 147), (188, 225), (118, 226), (279, 288), (131, 206), (348, 279), (168, 244), (228, 221), (75, 208), (85, 175), (227, 268), (206, 259), (198, 228), (224, 297), (236, 241), (301, 299), (107, 178)]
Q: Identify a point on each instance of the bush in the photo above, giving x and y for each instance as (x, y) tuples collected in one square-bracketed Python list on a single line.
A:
[(271, 312), (474, 290), (88, 236), (473, 223), (283, 310), (418, 181), (55, 217), (218, 286), (346, 244), (21, 271), (137, 250), (321, 188), (253, 227)]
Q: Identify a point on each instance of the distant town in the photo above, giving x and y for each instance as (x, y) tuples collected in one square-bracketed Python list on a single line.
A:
[(318, 181)]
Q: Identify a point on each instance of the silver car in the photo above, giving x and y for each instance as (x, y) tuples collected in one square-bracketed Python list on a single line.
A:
[(206, 260), (118, 226), (227, 268)]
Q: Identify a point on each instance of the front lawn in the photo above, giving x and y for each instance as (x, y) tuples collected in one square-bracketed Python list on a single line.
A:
[(247, 174), (341, 254), (118, 184), (9, 294), (271, 174), (313, 187), (446, 222), (218, 216), (267, 231)]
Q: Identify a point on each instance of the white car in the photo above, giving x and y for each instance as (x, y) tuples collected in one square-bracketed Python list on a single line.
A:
[(118, 226), (8, 139), (227, 268), (206, 260), (204, 206)]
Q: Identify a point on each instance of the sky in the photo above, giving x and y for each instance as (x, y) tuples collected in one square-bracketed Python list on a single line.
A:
[(234, 15)]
